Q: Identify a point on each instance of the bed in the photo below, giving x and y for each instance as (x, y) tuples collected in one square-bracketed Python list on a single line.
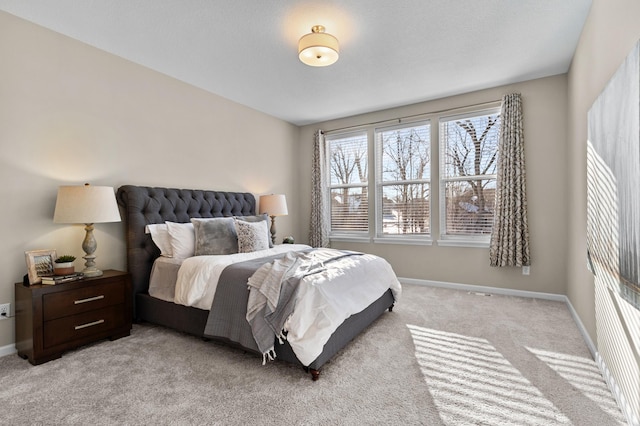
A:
[(142, 207)]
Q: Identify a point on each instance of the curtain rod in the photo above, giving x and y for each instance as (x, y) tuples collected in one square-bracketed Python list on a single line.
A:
[(422, 114)]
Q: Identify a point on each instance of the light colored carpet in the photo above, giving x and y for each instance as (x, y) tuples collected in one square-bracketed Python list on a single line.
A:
[(441, 357)]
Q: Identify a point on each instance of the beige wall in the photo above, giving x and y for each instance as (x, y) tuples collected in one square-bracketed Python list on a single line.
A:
[(545, 106), (70, 114), (611, 30)]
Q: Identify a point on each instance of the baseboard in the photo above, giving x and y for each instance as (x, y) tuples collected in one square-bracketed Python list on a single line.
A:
[(485, 289), (606, 374), (583, 330), (7, 350)]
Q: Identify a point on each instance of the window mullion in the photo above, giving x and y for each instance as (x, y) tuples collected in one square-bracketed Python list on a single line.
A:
[(470, 177), (404, 182), (352, 185)]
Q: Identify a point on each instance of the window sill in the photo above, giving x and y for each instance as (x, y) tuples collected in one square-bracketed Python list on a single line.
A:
[(464, 243), (404, 241), (348, 239)]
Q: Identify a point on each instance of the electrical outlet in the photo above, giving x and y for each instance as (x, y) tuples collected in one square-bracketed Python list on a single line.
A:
[(5, 310), (525, 270)]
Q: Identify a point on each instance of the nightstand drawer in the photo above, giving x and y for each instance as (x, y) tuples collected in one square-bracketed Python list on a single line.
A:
[(75, 327), (82, 299)]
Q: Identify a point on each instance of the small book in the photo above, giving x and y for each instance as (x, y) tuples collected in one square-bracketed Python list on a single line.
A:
[(59, 279)]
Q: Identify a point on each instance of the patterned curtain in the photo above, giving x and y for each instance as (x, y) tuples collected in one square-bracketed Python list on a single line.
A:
[(510, 236), (319, 229)]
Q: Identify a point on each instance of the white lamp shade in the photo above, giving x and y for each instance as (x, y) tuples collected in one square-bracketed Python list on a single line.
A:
[(274, 205), (86, 204), (318, 49)]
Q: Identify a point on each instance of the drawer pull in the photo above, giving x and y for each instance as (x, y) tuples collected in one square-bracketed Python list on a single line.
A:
[(89, 324), (90, 299)]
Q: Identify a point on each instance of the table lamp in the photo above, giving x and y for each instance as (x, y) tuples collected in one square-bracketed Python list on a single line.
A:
[(88, 205), (273, 205)]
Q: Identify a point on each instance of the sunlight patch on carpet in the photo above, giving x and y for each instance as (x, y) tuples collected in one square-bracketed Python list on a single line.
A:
[(584, 375), (472, 383)]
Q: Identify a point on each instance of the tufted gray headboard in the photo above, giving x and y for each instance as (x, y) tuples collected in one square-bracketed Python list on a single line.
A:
[(141, 205)]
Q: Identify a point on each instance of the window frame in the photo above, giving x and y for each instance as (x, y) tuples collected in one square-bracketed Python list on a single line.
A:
[(452, 240)]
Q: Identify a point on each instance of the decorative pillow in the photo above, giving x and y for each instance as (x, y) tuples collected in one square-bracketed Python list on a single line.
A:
[(215, 236), (161, 238), (183, 240), (252, 236), (258, 218)]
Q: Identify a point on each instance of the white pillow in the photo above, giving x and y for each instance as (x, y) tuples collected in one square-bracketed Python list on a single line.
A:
[(183, 239), (252, 236), (161, 238)]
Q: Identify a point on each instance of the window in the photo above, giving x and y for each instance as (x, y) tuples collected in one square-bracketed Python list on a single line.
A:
[(348, 183), (469, 151), (403, 163), (410, 196)]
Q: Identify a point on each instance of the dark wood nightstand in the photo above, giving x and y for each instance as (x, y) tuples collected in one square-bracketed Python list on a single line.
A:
[(52, 319)]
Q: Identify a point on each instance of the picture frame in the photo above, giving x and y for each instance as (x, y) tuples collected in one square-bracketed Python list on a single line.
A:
[(39, 264)]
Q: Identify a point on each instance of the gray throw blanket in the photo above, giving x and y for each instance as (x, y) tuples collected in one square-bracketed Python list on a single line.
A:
[(227, 318), (272, 293)]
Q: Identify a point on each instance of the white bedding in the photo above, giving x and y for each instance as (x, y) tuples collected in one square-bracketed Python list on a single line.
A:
[(164, 273), (323, 302), (198, 276)]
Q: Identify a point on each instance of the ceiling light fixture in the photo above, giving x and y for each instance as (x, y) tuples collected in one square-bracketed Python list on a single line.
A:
[(318, 49)]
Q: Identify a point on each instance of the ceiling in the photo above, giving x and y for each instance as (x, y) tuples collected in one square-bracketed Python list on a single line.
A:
[(392, 53)]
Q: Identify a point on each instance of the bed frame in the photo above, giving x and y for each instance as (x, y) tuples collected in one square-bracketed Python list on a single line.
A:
[(140, 205)]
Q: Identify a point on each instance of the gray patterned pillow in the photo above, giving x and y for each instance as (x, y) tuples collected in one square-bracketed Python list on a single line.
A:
[(258, 218), (252, 236), (215, 236)]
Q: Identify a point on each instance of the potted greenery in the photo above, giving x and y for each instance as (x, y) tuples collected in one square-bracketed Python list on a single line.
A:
[(63, 265)]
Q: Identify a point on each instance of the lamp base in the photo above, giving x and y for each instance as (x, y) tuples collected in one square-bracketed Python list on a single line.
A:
[(91, 272), (273, 229), (89, 246)]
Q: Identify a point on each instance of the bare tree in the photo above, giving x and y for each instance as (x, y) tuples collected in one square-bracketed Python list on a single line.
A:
[(468, 155), (472, 153)]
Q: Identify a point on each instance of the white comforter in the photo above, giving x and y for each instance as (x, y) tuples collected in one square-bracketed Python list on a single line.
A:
[(198, 276), (324, 300)]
